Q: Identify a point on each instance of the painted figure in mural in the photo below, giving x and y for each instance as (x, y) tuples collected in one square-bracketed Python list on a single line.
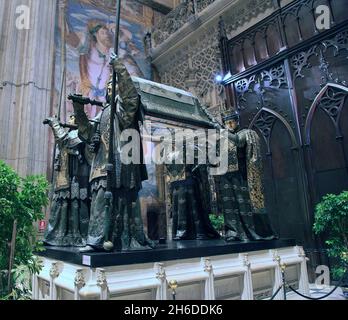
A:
[(189, 200), (94, 59), (94, 53), (127, 226), (127, 52), (69, 214), (240, 192)]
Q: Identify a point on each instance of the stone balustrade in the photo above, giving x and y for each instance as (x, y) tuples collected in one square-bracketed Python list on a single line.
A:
[(244, 276)]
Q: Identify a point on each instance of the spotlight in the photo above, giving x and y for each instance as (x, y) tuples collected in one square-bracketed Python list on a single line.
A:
[(218, 78)]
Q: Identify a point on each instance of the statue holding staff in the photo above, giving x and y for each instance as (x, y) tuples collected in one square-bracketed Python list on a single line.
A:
[(115, 218), (69, 213)]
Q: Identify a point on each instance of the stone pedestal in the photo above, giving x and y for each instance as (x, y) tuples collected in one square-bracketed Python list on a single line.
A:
[(239, 271)]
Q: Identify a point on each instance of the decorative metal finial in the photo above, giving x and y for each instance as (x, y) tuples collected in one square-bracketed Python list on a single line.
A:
[(282, 267), (173, 285)]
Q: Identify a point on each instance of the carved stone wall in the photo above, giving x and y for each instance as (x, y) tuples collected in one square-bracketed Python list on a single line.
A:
[(195, 68), (185, 46), (177, 18)]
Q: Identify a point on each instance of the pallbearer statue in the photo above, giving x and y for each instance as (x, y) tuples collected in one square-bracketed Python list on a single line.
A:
[(69, 214), (124, 229), (190, 199), (240, 192)]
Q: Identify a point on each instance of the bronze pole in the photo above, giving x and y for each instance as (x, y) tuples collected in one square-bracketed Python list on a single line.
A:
[(110, 166), (59, 118)]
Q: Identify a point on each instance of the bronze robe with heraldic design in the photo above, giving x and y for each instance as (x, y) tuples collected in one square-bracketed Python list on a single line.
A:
[(69, 212), (127, 226), (240, 194), (190, 202)]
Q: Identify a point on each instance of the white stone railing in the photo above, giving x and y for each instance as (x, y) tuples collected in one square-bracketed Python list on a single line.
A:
[(61, 281)]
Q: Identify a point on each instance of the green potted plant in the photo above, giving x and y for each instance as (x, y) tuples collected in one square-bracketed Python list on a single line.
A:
[(331, 220), (217, 222), (21, 205)]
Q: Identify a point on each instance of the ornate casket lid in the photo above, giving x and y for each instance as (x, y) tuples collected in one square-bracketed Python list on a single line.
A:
[(162, 101)]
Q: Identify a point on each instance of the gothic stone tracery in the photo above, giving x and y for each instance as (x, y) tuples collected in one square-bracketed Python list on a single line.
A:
[(195, 65)]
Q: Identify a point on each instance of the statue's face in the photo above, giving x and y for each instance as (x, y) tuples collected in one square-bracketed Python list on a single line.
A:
[(232, 125), (109, 90), (71, 120)]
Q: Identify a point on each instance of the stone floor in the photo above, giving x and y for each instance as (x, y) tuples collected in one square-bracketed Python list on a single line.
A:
[(318, 291)]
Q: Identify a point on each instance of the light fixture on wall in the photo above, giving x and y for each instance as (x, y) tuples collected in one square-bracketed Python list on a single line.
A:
[(219, 78)]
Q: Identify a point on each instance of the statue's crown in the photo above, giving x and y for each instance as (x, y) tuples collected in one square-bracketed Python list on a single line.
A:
[(230, 115)]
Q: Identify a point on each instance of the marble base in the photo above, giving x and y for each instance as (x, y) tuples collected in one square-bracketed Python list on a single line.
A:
[(172, 250), (222, 274)]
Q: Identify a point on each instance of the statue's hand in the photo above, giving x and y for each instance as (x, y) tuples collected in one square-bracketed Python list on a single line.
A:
[(49, 121), (78, 98), (113, 58), (116, 63)]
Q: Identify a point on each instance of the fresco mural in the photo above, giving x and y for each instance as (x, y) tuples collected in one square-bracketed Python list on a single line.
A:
[(84, 38)]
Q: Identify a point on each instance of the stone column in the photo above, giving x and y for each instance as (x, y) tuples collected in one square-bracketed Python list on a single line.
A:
[(35, 287), (161, 292), (26, 69), (248, 291), (102, 284), (54, 273), (303, 283), (209, 290), (79, 283)]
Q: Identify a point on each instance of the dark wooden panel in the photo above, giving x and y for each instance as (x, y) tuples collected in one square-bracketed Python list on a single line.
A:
[(283, 188), (249, 53), (274, 43), (326, 150), (288, 27), (331, 181), (261, 50), (339, 10), (344, 129), (294, 94)]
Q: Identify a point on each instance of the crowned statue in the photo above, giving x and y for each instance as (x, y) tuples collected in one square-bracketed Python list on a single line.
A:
[(240, 195)]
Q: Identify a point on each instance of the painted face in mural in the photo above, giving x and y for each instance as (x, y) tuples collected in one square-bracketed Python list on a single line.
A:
[(94, 67), (89, 36), (103, 37)]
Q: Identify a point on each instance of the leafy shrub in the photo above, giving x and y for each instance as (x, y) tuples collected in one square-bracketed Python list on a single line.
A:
[(21, 199), (217, 221), (331, 218)]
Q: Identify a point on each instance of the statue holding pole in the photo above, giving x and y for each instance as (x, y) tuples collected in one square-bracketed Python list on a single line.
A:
[(115, 218), (69, 212)]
